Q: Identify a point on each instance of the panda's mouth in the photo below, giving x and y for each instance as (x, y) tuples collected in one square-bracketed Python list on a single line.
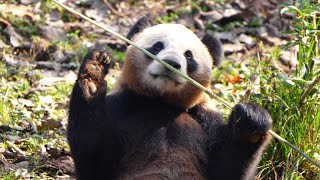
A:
[(168, 77)]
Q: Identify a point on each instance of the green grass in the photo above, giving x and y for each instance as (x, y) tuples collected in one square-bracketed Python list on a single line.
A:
[(299, 124), (51, 104), (293, 100), (296, 117)]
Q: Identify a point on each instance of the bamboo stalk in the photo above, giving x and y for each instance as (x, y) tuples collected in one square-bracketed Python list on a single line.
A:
[(195, 83)]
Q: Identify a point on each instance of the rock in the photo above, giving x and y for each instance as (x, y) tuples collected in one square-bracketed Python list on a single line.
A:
[(229, 36), (289, 60), (97, 4), (52, 33), (27, 2), (262, 32), (98, 10), (272, 30), (112, 43), (246, 40), (233, 48), (22, 165), (273, 40), (26, 102), (94, 14), (13, 61), (16, 39), (59, 56), (240, 4), (21, 173), (230, 12), (54, 66), (49, 80), (70, 77), (84, 3), (212, 15), (54, 15)]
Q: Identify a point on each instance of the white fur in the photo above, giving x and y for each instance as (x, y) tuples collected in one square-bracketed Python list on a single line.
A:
[(177, 39)]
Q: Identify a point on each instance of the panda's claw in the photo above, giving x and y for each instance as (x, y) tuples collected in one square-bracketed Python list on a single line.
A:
[(105, 58)]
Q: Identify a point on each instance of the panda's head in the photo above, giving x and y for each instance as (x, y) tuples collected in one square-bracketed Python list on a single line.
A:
[(179, 47)]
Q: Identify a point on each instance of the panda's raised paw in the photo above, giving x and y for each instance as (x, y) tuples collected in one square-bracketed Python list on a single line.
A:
[(92, 72), (250, 122)]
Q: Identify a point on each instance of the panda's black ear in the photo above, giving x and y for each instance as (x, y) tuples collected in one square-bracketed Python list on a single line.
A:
[(215, 48), (143, 23)]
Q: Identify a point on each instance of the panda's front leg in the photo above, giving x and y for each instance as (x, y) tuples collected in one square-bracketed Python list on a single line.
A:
[(241, 152), (89, 130)]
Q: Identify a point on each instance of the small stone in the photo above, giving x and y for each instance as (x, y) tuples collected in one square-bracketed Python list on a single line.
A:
[(262, 31), (233, 48), (246, 39), (52, 33), (54, 15), (27, 2), (59, 56), (227, 36), (16, 40), (230, 12), (22, 165), (212, 15), (241, 4)]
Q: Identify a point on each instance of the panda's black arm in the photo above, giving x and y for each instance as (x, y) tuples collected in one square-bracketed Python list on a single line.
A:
[(234, 149), (90, 133)]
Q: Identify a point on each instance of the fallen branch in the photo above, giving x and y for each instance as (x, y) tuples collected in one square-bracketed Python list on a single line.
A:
[(195, 83)]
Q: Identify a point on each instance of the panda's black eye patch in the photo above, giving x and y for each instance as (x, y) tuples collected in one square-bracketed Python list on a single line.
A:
[(156, 48), (188, 54), (192, 65)]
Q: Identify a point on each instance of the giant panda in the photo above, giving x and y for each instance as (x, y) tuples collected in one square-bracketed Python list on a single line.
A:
[(155, 124)]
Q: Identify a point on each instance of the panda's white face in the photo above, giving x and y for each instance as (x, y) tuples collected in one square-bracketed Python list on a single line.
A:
[(176, 45)]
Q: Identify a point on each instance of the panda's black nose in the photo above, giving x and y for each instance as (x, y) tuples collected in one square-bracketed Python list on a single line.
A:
[(173, 64)]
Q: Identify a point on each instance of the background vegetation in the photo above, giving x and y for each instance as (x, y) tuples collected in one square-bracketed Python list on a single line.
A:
[(279, 70)]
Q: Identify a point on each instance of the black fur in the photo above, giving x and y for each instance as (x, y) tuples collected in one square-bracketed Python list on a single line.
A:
[(215, 48), (128, 136), (192, 66), (140, 25)]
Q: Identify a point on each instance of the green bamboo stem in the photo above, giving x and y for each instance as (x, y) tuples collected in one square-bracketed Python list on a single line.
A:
[(195, 83)]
